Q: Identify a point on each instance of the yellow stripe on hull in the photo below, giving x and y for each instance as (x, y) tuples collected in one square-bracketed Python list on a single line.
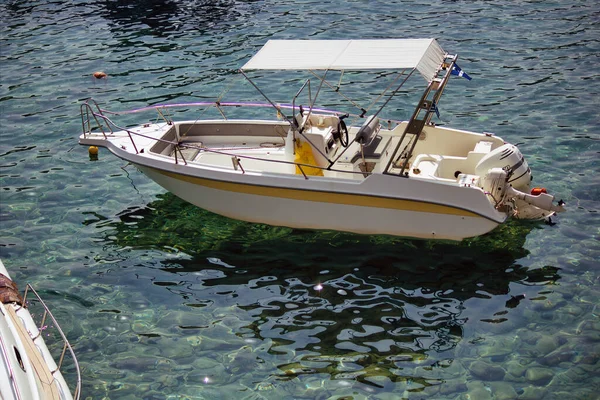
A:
[(321, 196)]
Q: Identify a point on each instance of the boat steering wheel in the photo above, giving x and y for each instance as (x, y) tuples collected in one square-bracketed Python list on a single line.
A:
[(343, 131)]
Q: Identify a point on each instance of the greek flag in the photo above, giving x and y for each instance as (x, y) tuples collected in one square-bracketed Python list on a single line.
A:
[(456, 70)]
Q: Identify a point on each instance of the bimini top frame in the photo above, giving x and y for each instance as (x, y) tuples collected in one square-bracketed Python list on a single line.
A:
[(423, 55)]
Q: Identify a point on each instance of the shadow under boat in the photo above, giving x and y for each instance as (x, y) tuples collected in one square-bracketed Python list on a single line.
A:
[(170, 222), (379, 303)]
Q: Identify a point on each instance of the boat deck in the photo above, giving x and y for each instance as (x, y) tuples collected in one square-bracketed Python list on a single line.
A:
[(260, 154), (265, 148)]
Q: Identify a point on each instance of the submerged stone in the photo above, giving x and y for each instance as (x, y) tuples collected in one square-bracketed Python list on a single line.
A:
[(262, 386), (574, 310), (532, 393), (503, 391), (590, 359), (515, 369), (592, 336), (529, 335), (387, 396), (558, 356), (478, 391), (546, 344), (573, 375), (486, 371), (453, 386), (500, 348), (539, 376), (194, 340), (347, 397)]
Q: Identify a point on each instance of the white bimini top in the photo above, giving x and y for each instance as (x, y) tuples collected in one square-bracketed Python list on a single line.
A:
[(426, 55)]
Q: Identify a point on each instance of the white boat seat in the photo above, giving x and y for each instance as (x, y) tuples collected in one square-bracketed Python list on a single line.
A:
[(368, 131), (426, 165), (483, 146), (369, 151), (319, 121), (450, 167)]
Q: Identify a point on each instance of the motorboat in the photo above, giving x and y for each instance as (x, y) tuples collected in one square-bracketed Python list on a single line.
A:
[(27, 368), (312, 166)]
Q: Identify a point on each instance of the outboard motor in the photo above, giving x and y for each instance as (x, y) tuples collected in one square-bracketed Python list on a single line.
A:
[(509, 158), (494, 182), (505, 176)]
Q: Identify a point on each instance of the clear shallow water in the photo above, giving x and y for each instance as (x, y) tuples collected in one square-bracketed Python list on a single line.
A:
[(161, 299)]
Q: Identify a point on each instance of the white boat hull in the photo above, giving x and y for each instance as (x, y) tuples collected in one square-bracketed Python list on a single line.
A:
[(310, 209), (27, 367)]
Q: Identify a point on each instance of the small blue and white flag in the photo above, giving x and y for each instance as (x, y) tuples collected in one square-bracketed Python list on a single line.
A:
[(456, 70), (435, 109)]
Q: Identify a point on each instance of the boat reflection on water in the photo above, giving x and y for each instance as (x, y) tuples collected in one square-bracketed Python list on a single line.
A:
[(348, 306)]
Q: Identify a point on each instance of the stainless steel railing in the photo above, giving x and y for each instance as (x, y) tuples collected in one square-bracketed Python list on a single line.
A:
[(65, 342)]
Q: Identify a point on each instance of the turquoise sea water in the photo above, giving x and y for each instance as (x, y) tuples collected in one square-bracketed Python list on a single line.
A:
[(164, 300)]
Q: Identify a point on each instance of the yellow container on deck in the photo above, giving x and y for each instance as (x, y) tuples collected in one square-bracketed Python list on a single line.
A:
[(304, 155)]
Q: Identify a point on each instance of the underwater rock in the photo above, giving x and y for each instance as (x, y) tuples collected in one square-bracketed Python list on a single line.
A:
[(500, 326), (477, 391), (590, 359), (556, 357), (389, 396), (532, 393), (539, 376), (499, 348), (503, 391), (314, 388), (529, 336), (243, 360), (453, 386), (592, 336), (167, 380), (546, 344), (207, 377), (164, 364), (549, 303), (115, 348), (211, 344), (576, 374), (580, 393), (486, 371), (194, 341), (515, 369), (141, 326), (137, 364), (263, 386), (346, 397), (574, 310), (201, 364)]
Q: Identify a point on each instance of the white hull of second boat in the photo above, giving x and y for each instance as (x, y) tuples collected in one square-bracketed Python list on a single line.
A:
[(27, 368), (359, 212)]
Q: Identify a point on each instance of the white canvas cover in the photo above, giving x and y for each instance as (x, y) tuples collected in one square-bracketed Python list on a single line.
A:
[(425, 55)]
